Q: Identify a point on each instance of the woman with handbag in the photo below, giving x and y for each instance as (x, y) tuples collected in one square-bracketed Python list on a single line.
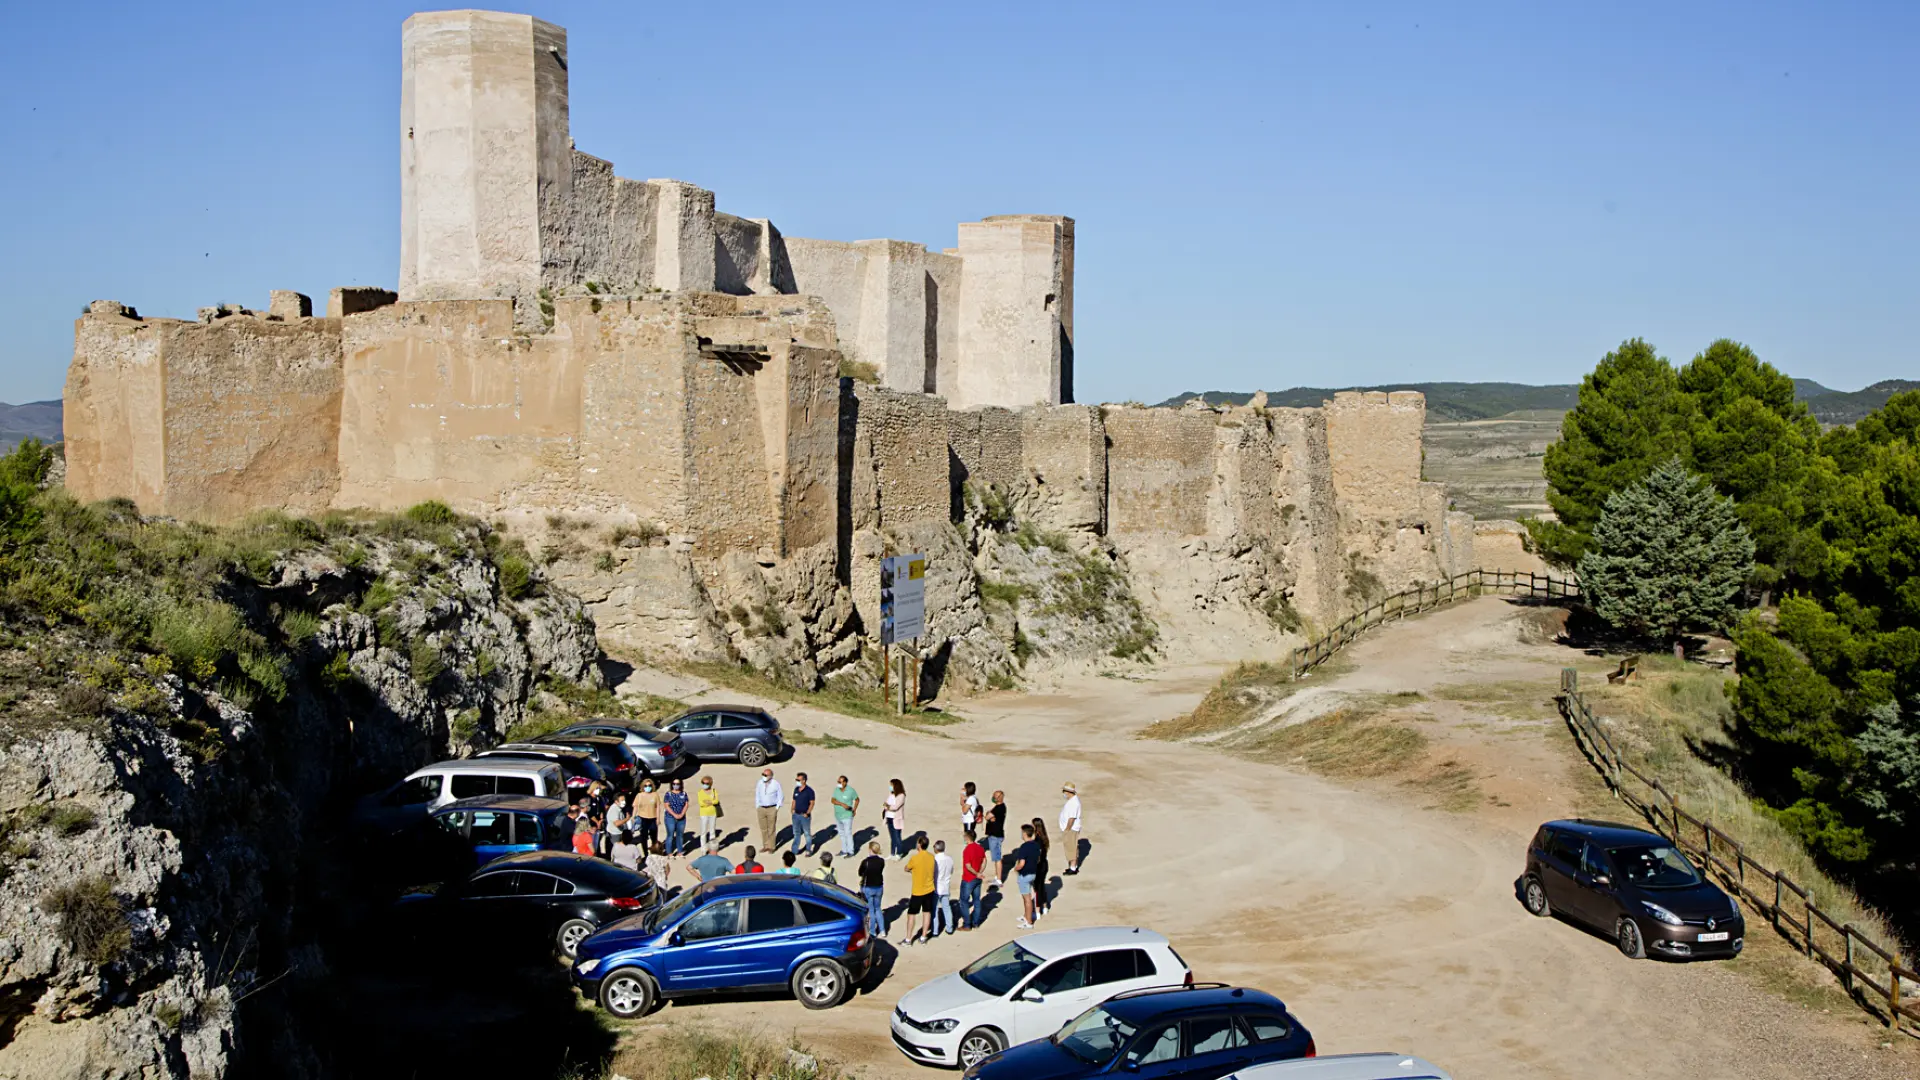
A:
[(707, 801), (896, 815)]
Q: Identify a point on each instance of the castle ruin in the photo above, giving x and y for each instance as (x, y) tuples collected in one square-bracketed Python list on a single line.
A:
[(569, 344)]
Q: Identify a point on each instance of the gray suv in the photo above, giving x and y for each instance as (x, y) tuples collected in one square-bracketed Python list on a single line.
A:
[(744, 733)]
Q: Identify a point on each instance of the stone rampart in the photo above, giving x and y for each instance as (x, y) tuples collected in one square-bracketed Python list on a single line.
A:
[(1063, 452), (904, 437), (1160, 469), (205, 420)]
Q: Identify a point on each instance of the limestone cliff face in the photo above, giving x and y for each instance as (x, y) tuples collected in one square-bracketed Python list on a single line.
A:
[(169, 848)]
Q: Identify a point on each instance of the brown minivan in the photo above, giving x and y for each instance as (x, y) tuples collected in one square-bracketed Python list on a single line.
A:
[(1632, 884)]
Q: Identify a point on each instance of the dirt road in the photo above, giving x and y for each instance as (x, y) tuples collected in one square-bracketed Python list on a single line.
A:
[(1382, 924)]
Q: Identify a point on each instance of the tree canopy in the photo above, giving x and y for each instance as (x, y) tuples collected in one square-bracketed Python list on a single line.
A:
[(1668, 555)]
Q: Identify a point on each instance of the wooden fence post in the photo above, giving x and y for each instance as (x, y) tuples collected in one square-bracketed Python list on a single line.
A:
[(1893, 994), (1846, 939), (1775, 913)]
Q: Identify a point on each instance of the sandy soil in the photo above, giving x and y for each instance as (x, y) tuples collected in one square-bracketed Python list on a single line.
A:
[(1384, 924)]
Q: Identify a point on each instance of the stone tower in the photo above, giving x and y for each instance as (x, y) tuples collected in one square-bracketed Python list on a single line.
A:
[(485, 165)]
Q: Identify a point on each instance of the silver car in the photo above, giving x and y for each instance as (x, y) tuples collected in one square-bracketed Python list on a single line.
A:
[(660, 753)]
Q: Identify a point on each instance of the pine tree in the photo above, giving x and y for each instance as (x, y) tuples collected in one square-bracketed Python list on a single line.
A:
[(1632, 415), (1668, 555)]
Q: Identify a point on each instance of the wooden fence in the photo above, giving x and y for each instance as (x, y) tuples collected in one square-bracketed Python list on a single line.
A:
[(1871, 972), (1425, 598)]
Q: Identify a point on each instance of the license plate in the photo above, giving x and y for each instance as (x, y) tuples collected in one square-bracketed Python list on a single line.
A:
[(1720, 935)]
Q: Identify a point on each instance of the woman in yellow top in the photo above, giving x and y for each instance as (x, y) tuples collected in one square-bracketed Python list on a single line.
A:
[(708, 802)]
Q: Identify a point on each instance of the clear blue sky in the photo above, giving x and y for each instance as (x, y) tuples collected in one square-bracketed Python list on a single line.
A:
[(1268, 195)]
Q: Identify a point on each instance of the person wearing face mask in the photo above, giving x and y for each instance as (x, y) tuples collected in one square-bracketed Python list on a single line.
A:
[(674, 818), (707, 802), (646, 814), (768, 797)]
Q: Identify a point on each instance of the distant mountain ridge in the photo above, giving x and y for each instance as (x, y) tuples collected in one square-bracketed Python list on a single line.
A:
[(35, 419), (1455, 401), (1445, 400)]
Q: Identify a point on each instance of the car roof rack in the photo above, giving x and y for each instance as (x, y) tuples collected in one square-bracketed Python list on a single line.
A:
[(1145, 990)]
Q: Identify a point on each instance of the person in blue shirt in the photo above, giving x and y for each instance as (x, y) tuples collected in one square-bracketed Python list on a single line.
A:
[(802, 816), (786, 864), (711, 865), (767, 798)]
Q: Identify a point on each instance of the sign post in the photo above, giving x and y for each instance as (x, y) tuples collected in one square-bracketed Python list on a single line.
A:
[(903, 614)]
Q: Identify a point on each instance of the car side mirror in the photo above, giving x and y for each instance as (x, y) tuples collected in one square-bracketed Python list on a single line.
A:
[(676, 938), (1603, 881), (1032, 995), (1130, 1066)]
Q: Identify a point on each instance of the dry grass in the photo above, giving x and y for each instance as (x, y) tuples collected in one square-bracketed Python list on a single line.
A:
[(1672, 720), (1525, 699), (1352, 742), (684, 1053), (1242, 694)]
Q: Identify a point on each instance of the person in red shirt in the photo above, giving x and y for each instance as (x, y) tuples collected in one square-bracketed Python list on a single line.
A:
[(749, 866), (586, 836), (971, 860)]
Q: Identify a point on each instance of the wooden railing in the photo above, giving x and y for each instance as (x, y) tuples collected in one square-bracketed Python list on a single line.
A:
[(1425, 598), (1868, 969)]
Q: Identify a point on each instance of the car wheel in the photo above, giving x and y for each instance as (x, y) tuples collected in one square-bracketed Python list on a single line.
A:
[(980, 1044), (1632, 945), (820, 984), (572, 933), (1536, 898), (753, 755), (627, 993)]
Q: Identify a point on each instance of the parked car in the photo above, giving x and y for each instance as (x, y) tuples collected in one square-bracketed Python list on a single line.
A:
[(578, 766), (551, 898), (1026, 989), (744, 733), (495, 826), (407, 802), (658, 752), (1194, 1033), (1633, 884), (738, 932), (1346, 1067), (617, 761)]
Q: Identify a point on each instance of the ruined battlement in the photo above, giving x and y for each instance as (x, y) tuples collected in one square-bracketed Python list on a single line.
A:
[(568, 345), (497, 203)]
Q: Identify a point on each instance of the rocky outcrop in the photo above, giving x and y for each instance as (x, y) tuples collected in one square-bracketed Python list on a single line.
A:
[(167, 844)]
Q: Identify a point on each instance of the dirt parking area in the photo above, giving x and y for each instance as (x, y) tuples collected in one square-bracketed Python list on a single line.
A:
[(1384, 920)]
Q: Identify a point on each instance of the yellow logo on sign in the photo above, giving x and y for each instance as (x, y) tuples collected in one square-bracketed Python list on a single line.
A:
[(916, 569)]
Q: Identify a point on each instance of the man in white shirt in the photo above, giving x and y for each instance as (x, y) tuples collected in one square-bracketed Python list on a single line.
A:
[(768, 798), (1070, 826), (942, 889)]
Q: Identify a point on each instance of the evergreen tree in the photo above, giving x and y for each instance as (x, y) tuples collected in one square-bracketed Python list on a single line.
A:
[(1668, 555), (1632, 415), (1756, 443)]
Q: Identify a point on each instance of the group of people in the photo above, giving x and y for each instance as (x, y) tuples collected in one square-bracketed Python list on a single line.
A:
[(646, 830)]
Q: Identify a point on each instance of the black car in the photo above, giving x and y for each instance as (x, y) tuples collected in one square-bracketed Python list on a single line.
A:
[(1632, 884), (744, 733), (534, 900), (580, 767), (618, 763)]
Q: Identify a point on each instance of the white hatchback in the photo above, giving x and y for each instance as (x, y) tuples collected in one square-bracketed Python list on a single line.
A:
[(1346, 1067), (1027, 988)]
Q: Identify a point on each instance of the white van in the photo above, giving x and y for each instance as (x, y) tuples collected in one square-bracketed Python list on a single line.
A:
[(1346, 1067), (444, 782)]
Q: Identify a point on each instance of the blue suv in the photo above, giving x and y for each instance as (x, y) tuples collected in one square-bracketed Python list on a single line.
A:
[(738, 932), (500, 825), (1199, 1033)]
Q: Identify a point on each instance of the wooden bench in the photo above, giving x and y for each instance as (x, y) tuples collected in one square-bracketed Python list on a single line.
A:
[(1625, 671)]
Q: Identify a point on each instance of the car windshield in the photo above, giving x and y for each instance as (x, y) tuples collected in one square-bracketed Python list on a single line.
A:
[(1655, 867), (1095, 1036), (1000, 970), (668, 912)]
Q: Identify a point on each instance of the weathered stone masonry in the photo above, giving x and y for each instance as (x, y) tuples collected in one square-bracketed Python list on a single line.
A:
[(568, 342)]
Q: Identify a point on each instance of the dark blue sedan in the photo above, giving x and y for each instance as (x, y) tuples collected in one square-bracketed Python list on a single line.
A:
[(1198, 1033), (738, 932)]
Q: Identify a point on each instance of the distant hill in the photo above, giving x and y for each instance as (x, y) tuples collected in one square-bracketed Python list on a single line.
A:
[(1445, 400), (1842, 407), (1456, 401), (36, 419)]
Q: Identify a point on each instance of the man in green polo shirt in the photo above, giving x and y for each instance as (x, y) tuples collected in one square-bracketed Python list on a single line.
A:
[(845, 802)]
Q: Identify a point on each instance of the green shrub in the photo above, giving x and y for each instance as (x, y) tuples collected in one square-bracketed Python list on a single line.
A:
[(92, 922), (1009, 593), (432, 512), (377, 597), (423, 660), (516, 577), (71, 819), (605, 563), (1278, 608), (197, 635), (298, 626)]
